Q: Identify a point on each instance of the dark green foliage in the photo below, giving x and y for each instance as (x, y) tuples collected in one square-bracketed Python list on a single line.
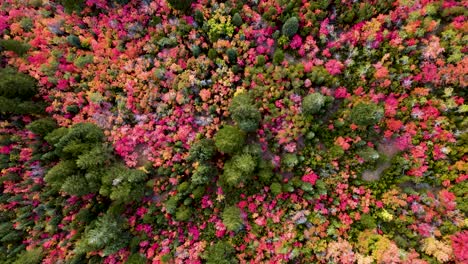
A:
[(319, 75), (232, 218), (365, 114), (171, 204), (71, 6), (231, 175), (232, 55), (56, 176), (94, 158), (240, 100), (202, 150), (278, 56), (136, 258), (245, 163), (33, 256), (79, 139), (42, 126), (74, 41), (244, 112), (13, 45), (220, 253), (368, 154), (196, 50), (289, 160), (237, 20), (183, 213), (260, 60), (123, 184), (247, 117), (367, 222), (203, 174), (229, 139), (73, 109), (88, 166), (312, 103), (290, 27), (199, 18), (107, 233), (20, 107), (181, 5), (14, 84), (212, 54)]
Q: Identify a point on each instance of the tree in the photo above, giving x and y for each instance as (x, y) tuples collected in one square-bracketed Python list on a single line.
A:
[(181, 5), (231, 175), (232, 218), (366, 114), (14, 84), (244, 113), (244, 163), (71, 6), (278, 56), (237, 20), (33, 256), (229, 139), (290, 27), (247, 117), (220, 253), (202, 150), (203, 173), (42, 126), (107, 233), (13, 45), (312, 103)]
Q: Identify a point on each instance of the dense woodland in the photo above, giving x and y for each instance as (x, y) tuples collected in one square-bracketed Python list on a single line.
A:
[(242, 131)]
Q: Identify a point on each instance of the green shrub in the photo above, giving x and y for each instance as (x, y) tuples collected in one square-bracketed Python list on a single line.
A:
[(231, 175), (365, 114), (195, 50), (181, 5), (237, 20), (84, 60), (71, 6), (368, 154), (107, 233), (247, 117), (276, 188), (56, 176), (244, 112), (202, 150), (278, 56), (212, 54), (232, 218), (220, 253), (33, 256), (260, 60), (42, 126), (320, 76), (240, 100), (13, 45), (14, 84), (312, 103), (183, 213), (229, 139), (245, 163), (74, 41), (290, 27), (232, 55), (136, 258), (203, 174), (290, 160)]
